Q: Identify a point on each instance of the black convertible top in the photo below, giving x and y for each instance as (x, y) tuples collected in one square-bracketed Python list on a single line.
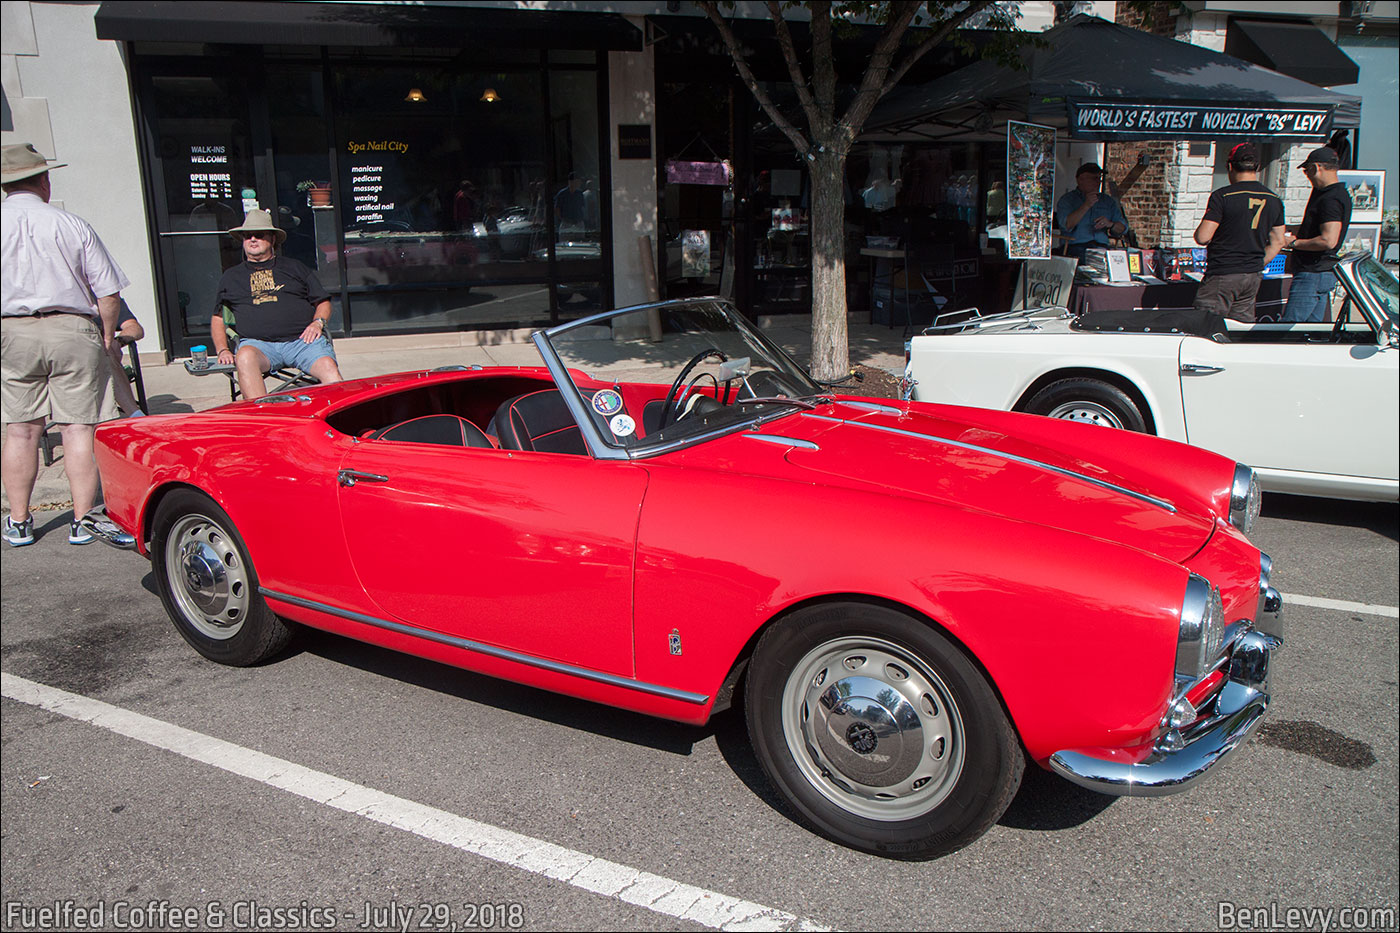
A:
[(1197, 323)]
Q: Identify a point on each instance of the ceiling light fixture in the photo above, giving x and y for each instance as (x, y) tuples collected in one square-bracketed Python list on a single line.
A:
[(490, 96), (415, 95)]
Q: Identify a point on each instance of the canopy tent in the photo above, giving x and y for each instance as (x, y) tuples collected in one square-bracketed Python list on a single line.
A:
[(1100, 82)]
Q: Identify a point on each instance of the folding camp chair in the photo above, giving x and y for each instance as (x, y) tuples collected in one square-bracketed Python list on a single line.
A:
[(279, 379)]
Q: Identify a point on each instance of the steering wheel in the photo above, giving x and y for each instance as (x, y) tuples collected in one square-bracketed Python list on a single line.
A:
[(695, 361)]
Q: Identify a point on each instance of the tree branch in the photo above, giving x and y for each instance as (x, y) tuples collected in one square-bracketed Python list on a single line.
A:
[(799, 80), (941, 33), (800, 142), (823, 71)]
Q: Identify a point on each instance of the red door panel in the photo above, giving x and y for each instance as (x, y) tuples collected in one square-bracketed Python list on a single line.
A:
[(527, 551)]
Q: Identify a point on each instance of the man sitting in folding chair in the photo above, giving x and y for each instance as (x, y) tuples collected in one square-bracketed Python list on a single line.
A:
[(281, 308)]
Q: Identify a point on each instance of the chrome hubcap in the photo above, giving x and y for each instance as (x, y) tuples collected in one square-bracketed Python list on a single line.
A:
[(207, 577), (1087, 412), (873, 728)]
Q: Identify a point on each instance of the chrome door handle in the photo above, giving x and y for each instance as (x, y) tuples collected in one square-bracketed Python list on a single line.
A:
[(351, 477), (1196, 369)]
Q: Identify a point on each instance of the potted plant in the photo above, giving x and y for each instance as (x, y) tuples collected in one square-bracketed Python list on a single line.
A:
[(318, 193)]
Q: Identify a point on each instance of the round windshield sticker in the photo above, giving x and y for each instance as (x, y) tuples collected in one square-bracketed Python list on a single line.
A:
[(607, 402), (622, 425)]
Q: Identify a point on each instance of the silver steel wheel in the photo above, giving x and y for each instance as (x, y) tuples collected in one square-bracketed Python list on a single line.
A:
[(208, 579), (1087, 412), (873, 728)]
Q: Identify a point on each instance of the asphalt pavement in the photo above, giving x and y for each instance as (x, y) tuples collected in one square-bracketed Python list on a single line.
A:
[(341, 786)]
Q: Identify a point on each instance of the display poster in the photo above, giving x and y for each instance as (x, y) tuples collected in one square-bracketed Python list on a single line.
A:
[(1367, 190), (1030, 187), (1045, 284), (695, 253)]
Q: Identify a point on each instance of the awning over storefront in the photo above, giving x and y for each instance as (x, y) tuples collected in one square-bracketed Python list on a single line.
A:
[(1297, 49), (1101, 81), (362, 24)]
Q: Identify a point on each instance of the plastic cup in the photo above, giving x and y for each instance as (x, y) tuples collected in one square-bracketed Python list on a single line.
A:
[(199, 357)]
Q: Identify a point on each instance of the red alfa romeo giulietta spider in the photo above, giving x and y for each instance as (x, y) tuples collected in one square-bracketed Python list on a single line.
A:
[(651, 520)]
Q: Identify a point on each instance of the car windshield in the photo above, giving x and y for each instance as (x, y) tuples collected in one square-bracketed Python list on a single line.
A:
[(1377, 280), (660, 376)]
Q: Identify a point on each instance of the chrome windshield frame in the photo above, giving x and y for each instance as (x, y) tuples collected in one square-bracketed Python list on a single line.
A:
[(598, 445)]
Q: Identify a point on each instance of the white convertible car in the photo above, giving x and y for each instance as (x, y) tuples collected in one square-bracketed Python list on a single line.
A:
[(1312, 407)]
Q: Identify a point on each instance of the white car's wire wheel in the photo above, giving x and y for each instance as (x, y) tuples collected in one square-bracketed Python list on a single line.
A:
[(879, 731), (207, 582), (1088, 401)]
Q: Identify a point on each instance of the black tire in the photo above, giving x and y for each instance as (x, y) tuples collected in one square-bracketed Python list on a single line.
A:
[(830, 684), (1091, 401), (208, 584)]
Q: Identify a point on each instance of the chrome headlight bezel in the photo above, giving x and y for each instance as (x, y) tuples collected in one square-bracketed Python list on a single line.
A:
[(1201, 630), (1246, 498)]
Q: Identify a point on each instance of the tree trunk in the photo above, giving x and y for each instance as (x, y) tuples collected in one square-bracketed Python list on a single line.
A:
[(831, 358)]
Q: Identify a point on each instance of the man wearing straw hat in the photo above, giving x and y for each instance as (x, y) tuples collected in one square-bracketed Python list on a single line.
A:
[(280, 307), (61, 299)]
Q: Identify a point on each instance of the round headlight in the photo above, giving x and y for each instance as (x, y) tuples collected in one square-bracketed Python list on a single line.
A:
[(1201, 630), (1245, 498)]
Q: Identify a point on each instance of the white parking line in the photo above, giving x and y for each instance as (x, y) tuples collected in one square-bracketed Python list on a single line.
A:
[(1339, 604), (595, 875)]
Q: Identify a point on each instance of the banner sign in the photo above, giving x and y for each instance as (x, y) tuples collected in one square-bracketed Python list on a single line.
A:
[(1099, 119)]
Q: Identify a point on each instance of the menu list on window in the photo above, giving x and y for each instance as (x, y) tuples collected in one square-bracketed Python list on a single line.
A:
[(205, 184), (367, 192)]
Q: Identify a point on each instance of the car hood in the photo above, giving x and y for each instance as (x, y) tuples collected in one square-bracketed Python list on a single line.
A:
[(1024, 468)]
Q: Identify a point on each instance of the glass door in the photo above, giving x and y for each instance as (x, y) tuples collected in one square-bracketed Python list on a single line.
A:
[(200, 133)]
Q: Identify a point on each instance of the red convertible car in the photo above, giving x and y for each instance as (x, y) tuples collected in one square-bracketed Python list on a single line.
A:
[(652, 519)]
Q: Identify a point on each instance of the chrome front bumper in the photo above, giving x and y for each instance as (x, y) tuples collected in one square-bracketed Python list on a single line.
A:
[(1183, 757)]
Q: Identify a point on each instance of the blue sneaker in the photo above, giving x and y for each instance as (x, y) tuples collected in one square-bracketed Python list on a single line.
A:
[(18, 535), (77, 534)]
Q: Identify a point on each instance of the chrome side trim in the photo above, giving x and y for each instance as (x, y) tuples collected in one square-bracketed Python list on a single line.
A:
[(784, 441), (505, 654), (872, 406), (1048, 467)]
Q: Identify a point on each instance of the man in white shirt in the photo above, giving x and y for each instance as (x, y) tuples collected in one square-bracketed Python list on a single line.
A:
[(60, 300)]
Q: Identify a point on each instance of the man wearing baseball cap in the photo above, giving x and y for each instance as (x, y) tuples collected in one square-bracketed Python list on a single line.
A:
[(1242, 232), (61, 299), (1087, 215), (281, 308), (1313, 245)]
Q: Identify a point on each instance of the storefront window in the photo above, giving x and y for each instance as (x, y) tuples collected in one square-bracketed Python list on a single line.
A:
[(202, 140)]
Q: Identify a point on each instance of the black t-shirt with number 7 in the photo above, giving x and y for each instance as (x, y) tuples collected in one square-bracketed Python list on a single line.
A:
[(1246, 212)]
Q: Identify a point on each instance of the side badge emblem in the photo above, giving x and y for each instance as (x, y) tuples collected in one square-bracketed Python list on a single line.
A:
[(675, 640)]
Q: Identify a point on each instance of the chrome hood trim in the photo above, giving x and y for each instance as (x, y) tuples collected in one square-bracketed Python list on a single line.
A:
[(1038, 464)]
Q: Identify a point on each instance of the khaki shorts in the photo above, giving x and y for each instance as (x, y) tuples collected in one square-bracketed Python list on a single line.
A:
[(54, 367)]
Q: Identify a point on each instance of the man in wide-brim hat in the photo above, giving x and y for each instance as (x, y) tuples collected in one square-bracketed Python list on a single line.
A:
[(280, 307), (61, 297)]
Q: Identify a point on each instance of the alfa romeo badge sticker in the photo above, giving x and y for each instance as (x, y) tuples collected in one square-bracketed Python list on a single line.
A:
[(607, 402)]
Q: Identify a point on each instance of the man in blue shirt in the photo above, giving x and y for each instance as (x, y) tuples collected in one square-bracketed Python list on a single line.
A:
[(1086, 215)]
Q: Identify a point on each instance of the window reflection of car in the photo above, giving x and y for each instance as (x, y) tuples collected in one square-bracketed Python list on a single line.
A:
[(510, 235), (394, 252), (653, 519), (1313, 407), (574, 250)]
